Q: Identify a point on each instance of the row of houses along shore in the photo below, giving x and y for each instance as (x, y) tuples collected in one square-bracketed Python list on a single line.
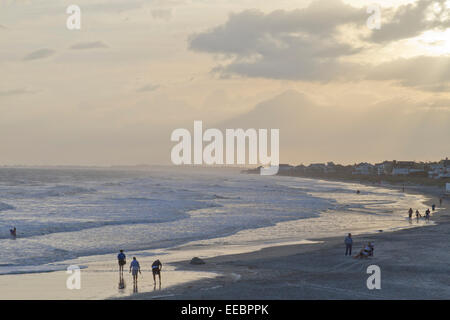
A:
[(394, 171)]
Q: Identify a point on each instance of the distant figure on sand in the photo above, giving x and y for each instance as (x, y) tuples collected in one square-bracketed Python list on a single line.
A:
[(433, 207), (156, 269), (440, 202), (427, 215), (410, 213), (13, 232), (122, 260), (348, 244), (358, 192), (134, 269)]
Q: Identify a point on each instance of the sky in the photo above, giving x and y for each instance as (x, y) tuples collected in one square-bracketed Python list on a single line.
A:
[(112, 92)]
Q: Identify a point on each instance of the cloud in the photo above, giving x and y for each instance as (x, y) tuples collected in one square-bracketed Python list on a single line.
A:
[(299, 44), (308, 44), (2, 27), (39, 54), (162, 14), (148, 88), (89, 45), (411, 20), (14, 92)]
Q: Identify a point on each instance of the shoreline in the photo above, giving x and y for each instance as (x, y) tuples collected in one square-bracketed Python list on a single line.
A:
[(408, 259), (225, 265)]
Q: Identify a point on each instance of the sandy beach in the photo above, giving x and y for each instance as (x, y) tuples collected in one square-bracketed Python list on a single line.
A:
[(414, 264)]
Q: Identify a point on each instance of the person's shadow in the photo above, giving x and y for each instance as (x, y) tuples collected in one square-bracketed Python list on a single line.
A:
[(121, 285), (156, 288)]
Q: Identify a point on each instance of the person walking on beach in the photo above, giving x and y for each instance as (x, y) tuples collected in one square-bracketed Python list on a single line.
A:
[(122, 260), (427, 215), (410, 213), (418, 215), (156, 269), (348, 244), (134, 269), (433, 207)]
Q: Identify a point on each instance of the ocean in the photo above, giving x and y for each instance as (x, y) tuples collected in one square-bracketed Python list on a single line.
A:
[(62, 214)]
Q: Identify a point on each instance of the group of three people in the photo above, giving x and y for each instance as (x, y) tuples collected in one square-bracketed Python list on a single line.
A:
[(418, 215), (135, 268)]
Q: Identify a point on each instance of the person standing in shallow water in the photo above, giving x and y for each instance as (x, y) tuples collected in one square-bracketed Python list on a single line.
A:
[(348, 244), (410, 213)]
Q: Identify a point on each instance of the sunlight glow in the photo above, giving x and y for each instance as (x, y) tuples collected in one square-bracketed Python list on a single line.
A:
[(436, 43)]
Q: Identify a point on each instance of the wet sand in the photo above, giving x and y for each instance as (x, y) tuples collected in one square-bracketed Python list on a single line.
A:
[(414, 263)]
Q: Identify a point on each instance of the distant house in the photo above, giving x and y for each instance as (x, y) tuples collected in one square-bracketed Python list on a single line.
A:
[(440, 170), (407, 167), (400, 171), (363, 169), (383, 168)]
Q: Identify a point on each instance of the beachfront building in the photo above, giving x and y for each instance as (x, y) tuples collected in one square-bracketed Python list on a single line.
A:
[(407, 168), (400, 171), (384, 168), (440, 170), (363, 169)]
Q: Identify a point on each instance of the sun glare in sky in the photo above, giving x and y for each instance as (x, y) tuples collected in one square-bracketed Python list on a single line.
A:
[(436, 42)]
